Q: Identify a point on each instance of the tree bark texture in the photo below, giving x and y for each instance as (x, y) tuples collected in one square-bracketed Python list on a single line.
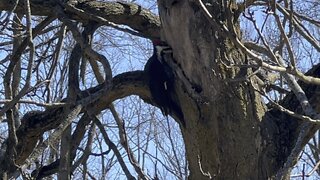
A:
[(229, 133), (222, 118)]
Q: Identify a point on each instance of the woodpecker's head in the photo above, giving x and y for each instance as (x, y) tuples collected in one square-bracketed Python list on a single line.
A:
[(160, 47)]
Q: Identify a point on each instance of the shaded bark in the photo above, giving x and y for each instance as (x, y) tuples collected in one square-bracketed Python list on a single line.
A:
[(280, 131)]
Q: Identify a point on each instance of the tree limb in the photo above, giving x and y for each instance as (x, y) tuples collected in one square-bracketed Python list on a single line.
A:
[(132, 15)]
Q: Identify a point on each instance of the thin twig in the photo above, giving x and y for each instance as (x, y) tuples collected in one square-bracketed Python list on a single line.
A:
[(28, 101), (114, 149), (125, 144)]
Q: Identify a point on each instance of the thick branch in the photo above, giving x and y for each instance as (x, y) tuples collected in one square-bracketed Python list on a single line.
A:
[(126, 84), (132, 15), (35, 123), (281, 130)]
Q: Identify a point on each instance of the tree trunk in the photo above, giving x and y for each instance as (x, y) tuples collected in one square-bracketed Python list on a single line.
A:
[(229, 134)]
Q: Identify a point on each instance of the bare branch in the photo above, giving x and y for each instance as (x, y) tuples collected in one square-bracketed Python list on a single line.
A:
[(286, 40), (293, 114), (125, 144), (114, 149), (300, 28), (28, 101), (14, 59), (86, 48), (132, 15)]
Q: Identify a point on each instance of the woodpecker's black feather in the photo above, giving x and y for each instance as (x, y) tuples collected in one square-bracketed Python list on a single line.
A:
[(161, 83)]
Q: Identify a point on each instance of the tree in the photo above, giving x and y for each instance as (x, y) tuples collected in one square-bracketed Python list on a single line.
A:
[(233, 128)]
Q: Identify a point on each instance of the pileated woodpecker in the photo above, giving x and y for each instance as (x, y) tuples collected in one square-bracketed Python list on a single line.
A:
[(161, 81)]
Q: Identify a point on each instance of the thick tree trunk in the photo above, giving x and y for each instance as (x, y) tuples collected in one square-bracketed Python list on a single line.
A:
[(222, 117), (228, 134)]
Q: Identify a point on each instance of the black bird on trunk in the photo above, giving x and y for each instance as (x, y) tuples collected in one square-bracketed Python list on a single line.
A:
[(161, 81)]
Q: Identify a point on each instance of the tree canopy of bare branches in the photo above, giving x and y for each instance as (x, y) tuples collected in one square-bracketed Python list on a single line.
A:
[(246, 77)]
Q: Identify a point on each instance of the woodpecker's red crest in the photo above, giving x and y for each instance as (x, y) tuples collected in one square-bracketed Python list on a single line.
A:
[(160, 48), (158, 42)]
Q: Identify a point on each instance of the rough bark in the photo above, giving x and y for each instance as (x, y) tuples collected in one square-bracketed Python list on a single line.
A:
[(132, 15), (229, 133), (222, 118)]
